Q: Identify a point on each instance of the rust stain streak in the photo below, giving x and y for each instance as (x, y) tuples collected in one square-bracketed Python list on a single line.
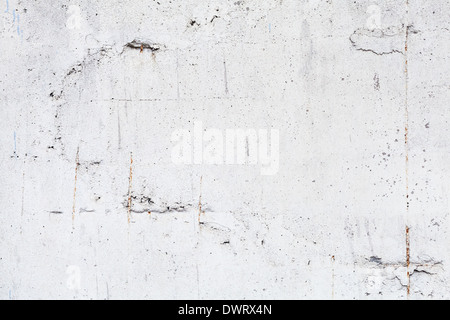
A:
[(77, 164), (333, 259), (408, 260), (129, 188), (408, 243), (200, 200), (407, 106)]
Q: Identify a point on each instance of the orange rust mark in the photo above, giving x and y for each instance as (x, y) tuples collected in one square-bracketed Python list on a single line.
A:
[(408, 259), (142, 48), (408, 239), (129, 188), (333, 259), (77, 164), (408, 248), (200, 200)]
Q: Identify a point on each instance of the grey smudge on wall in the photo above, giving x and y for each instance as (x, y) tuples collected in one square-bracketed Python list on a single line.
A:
[(376, 79), (225, 77)]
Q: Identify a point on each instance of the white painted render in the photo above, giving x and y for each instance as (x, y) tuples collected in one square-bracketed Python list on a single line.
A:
[(92, 205)]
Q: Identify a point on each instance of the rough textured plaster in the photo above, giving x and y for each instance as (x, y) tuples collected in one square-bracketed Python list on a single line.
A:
[(92, 206)]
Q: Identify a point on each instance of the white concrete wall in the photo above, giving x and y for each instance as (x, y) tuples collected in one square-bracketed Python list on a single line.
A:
[(94, 206)]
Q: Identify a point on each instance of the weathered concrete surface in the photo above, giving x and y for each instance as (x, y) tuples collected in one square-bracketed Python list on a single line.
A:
[(93, 207)]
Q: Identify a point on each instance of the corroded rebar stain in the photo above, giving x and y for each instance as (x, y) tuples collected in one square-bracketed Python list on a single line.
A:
[(408, 247), (129, 188), (200, 200), (77, 164), (408, 260), (333, 259)]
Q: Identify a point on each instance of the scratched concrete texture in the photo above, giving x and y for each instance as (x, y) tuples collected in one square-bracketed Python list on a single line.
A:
[(93, 207)]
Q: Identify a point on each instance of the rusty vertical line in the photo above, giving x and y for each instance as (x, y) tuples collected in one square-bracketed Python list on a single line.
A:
[(408, 247), (333, 259), (408, 260), (77, 164), (407, 104), (200, 200), (130, 185)]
